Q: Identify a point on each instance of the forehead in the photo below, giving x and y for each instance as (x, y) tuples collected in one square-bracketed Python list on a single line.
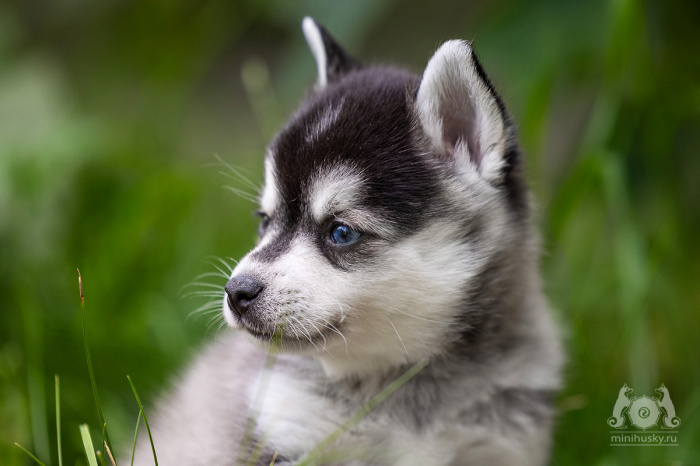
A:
[(353, 142)]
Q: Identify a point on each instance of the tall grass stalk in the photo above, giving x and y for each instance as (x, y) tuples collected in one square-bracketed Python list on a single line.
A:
[(34, 337), (58, 420), (95, 394), (145, 420), (136, 436)]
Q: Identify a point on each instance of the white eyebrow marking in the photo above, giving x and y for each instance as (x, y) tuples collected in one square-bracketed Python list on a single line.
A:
[(337, 190)]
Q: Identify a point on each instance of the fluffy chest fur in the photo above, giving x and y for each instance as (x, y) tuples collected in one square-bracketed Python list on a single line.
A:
[(233, 407)]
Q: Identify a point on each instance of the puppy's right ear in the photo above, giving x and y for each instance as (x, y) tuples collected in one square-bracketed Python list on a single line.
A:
[(331, 59)]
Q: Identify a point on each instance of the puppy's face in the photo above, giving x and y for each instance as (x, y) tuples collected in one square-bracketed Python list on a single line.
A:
[(373, 232)]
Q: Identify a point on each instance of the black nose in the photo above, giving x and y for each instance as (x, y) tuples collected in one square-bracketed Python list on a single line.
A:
[(241, 292)]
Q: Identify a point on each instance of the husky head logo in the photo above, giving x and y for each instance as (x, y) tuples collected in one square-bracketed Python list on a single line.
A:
[(394, 213)]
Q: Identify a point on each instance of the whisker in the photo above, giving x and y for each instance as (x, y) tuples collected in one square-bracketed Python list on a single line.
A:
[(293, 328), (204, 284), (228, 266), (205, 293), (207, 312), (208, 308), (325, 342), (209, 305), (322, 336), (207, 274), (221, 326), (342, 318), (219, 269), (213, 321), (237, 172), (330, 326), (308, 335), (243, 194), (423, 318), (400, 339), (253, 187), (197, 282), (317, 330)]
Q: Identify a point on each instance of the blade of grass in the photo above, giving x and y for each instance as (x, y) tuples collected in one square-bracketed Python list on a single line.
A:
[(27, 452), (95, 394), (362, 412), (87, 443), (58, 420), (34, 339), (101, 457), (136, 436), (145, 420), (257, 450)]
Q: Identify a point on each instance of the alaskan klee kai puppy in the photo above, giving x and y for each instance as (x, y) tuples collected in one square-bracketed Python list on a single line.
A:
[(395, 230)]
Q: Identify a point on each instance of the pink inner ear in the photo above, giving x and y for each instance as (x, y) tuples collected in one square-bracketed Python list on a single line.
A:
[(457, 131), (450, 149)]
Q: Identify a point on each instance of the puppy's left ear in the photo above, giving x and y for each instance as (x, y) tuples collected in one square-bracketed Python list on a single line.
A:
[(331, 59), (460, 113)]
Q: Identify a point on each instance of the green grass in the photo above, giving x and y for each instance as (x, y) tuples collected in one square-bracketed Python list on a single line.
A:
[(87, 443), (93, 384), (58, 420), (136, 436), (29, 454), (142, 413), (90, 453), (106, 149)]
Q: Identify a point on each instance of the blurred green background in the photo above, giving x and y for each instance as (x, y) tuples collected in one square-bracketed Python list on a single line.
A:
[(113, 113)]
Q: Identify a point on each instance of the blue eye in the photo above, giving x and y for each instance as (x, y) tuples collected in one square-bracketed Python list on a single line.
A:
[(264, 223), (343, 234)]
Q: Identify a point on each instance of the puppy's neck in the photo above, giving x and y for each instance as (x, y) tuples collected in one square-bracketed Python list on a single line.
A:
[(360, 366)]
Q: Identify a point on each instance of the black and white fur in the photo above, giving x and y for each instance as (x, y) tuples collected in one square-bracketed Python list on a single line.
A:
[(429, 171)]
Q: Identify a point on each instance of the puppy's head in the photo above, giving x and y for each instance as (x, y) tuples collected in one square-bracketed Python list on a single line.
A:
[(387, 199)]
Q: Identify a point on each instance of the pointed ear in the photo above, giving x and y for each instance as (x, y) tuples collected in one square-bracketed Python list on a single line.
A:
[(331, 59), (460, 113)]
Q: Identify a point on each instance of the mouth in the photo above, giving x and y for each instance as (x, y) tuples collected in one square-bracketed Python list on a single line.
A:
[(297, 337), (313, 335), (288, 330), (265, 336)]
